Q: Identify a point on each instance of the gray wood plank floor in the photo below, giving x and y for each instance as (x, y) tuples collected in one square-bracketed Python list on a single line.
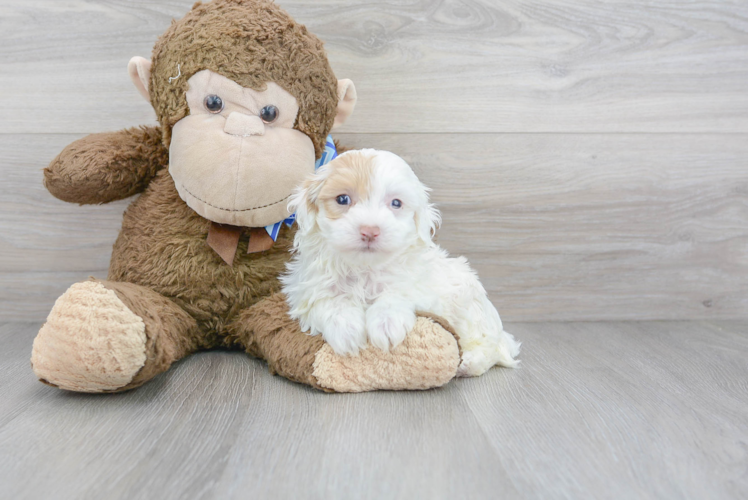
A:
[(597, 410)]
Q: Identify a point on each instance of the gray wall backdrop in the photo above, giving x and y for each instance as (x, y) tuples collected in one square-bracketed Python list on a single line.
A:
[(590, 158)]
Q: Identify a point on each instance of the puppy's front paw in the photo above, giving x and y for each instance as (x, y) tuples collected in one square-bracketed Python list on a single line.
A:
[(345, 331), (387, 324)]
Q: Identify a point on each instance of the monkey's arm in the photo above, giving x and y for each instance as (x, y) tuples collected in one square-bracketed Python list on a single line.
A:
[(105, 167)]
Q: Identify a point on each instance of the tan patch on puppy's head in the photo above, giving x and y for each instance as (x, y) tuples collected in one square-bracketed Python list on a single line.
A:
[(350, 174)]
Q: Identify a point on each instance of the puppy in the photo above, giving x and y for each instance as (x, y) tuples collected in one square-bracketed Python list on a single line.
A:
[(364, 262)]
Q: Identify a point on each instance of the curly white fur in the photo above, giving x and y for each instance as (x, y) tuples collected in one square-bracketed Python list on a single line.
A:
[(351, 286)]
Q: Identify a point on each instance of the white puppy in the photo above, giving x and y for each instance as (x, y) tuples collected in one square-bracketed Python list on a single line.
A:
[(365, 262)]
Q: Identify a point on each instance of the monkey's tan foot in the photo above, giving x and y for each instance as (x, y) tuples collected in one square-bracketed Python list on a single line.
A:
[(428, 357), (91, 341), (107, 336)]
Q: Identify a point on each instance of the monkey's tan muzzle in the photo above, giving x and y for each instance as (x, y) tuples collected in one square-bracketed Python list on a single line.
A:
[(239, 172)]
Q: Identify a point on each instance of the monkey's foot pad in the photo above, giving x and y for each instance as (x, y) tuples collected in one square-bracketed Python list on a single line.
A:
[(428, 357), (91, 341)]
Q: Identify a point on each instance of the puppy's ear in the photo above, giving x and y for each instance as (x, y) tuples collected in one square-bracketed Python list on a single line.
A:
[(427, 220), (304, 200)]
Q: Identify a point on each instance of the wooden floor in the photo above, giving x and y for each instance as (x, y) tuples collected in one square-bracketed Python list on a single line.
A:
[(597, 410)]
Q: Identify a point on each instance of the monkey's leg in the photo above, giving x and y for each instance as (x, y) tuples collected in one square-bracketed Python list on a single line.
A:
[(428, 357), (104, 336)]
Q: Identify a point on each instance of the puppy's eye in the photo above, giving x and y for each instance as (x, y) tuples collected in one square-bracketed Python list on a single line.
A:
[(343, 199), (397, 203), (269, 113), (214, 104)]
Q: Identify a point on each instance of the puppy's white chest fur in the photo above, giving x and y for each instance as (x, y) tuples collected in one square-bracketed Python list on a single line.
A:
[(368, 285)]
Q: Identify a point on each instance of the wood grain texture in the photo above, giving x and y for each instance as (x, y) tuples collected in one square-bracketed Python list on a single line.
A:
[(559, 227), (419, 65), (597, 410)]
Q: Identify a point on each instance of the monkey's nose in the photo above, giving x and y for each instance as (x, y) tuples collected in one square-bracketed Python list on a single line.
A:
[(243, 125)]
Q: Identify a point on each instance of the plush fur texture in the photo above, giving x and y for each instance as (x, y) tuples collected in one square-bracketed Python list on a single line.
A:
[(365, 262), (162, 246), (106, 167), (171, 333), (104, 350), (428, 358), (250, 42), (163, 276)]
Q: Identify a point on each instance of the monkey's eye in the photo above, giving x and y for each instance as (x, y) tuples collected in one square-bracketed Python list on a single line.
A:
[(214, 104), (343, 199), (269, 113), (397, 203)]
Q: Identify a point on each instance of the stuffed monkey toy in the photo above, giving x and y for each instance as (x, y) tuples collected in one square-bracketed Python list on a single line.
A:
[(245, 99)]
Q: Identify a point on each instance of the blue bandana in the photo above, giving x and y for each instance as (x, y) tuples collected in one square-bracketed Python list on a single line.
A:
[(328, 155)]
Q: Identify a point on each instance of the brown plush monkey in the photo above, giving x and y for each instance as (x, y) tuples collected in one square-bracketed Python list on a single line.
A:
[(245, 98)]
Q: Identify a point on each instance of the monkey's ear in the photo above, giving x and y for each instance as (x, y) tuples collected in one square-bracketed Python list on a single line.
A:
[(139, 69), (346, 101)]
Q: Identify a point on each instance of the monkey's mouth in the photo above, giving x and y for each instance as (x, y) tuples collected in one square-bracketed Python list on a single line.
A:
[(255, 215), (231, 209)]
